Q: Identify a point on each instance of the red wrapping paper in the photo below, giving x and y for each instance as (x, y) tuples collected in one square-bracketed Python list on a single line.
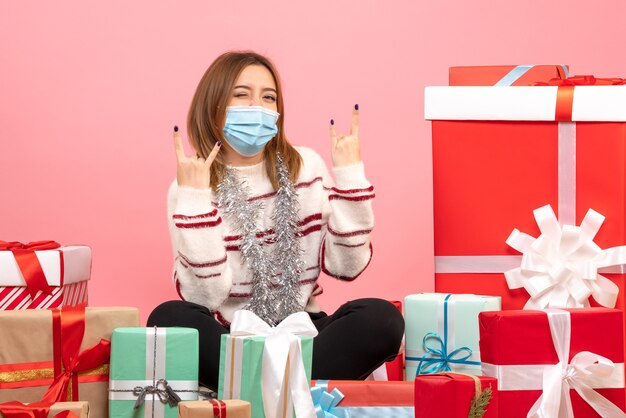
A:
[(524, 338), (449, 395), (502, 171), (490, 74), (368, 393)]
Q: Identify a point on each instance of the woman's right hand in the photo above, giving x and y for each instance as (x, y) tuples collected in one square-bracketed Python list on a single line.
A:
[(193, 171)]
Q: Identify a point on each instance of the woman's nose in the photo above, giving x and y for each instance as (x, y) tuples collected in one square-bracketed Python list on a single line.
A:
[(255, 101)]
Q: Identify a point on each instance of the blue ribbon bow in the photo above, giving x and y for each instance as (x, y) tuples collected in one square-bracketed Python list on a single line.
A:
[(324, 402), (437, 360)]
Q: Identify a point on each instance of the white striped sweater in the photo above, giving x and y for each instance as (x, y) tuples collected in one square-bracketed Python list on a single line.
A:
[(336, 221)]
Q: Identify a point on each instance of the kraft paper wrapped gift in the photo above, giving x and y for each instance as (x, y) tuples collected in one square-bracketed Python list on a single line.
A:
[(363, 399), (455, 395), (147, 365), (550, 357), (270, 367), (441, 332), (32, 354), (505, 75), (499, 153), (43, 275), (232, 408)]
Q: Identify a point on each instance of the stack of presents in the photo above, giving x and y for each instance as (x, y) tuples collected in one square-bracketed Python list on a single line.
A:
[(530, 273)]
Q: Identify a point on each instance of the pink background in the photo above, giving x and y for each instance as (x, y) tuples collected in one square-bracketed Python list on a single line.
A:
[(89, 93)]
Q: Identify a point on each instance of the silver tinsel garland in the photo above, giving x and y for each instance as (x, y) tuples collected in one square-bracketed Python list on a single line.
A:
[(275, 277)]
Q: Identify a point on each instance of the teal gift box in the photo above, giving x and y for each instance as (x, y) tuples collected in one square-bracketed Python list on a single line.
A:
[(149, 366), (442, 332), (241, 360)]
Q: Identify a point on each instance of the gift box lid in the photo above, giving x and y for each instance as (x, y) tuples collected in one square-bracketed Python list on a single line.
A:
[(64, 265), (598, 103), (515, 75)]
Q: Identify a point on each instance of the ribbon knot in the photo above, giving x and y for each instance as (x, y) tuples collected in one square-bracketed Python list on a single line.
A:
[(583, 372), (437, 360), (559, 269), (161, 389), (325, 402), (283, 374)]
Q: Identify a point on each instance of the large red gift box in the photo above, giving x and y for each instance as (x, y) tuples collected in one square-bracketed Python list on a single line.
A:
[(450, 395), (501, 152), (520, 349), (43, 274), (510, 75)]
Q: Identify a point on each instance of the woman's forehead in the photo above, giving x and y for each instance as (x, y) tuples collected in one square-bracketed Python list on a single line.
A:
[(256, 75)]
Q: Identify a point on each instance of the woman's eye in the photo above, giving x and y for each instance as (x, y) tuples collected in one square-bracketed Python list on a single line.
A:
[(241, 94), (270, 98)]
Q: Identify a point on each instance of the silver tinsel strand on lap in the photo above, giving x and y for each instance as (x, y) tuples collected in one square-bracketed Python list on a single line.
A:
[(274, 295)]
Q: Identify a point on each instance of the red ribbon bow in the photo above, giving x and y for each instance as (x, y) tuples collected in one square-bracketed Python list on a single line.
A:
[(68, 331), (565, 93), (33, 410), (29, 263)]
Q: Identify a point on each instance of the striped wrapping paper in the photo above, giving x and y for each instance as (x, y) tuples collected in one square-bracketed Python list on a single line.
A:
[(68, 269)]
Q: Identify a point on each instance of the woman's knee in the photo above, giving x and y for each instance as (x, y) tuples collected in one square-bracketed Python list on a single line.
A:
[(170, 313), (383, 320)]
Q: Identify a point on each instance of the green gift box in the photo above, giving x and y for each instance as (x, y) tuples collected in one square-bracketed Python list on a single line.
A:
[(442, 332), (241, 369), (147, 365)]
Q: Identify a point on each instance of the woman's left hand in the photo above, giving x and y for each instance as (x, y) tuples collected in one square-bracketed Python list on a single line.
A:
[(345, 149)]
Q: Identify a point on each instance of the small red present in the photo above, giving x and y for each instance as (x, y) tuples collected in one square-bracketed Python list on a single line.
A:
[(356, 398), (43, 275), (558, 363), (456, 395)]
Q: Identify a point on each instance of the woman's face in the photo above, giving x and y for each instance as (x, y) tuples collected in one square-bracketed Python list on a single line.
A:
[(255, 86)]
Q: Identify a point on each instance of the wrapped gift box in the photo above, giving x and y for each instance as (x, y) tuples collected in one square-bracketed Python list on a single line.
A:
[(232, 408), (505, 75), (520, 348), (157, 361), (66, 271), (452, 395), (243, 358), (43, 410), (362, 399), (442, 320), (501, 152), (33, 349)]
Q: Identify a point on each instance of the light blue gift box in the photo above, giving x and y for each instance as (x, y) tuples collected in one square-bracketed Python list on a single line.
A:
[(442, 332)]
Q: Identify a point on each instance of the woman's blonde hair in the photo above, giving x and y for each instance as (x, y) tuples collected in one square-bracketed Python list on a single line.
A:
[(208, 112)]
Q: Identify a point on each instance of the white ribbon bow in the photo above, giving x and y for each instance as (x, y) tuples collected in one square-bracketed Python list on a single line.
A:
[(581, 374), (282, 357), (560, 268)]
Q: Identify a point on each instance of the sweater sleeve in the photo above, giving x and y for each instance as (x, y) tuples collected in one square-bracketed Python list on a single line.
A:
[(346, 249), (200, 262)]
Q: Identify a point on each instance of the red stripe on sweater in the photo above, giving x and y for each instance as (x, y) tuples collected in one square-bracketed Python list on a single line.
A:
[(209, 276), (203, 215), (220, 318), (340, 277), (297, 186), (274, 285), (302, 222), (200, 224), (209, 264), (351, 198), (304, 233), (350, 191), (341, 244), (349, 234)]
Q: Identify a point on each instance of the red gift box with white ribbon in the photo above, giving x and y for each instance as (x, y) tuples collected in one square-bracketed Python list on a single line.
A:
[(499, 153), (43, 275), (555, 362)]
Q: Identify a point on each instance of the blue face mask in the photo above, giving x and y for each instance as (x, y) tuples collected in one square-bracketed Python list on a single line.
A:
[(249, 128)]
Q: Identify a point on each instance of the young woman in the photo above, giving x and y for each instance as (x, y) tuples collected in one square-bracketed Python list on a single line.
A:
[(254, 220)]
